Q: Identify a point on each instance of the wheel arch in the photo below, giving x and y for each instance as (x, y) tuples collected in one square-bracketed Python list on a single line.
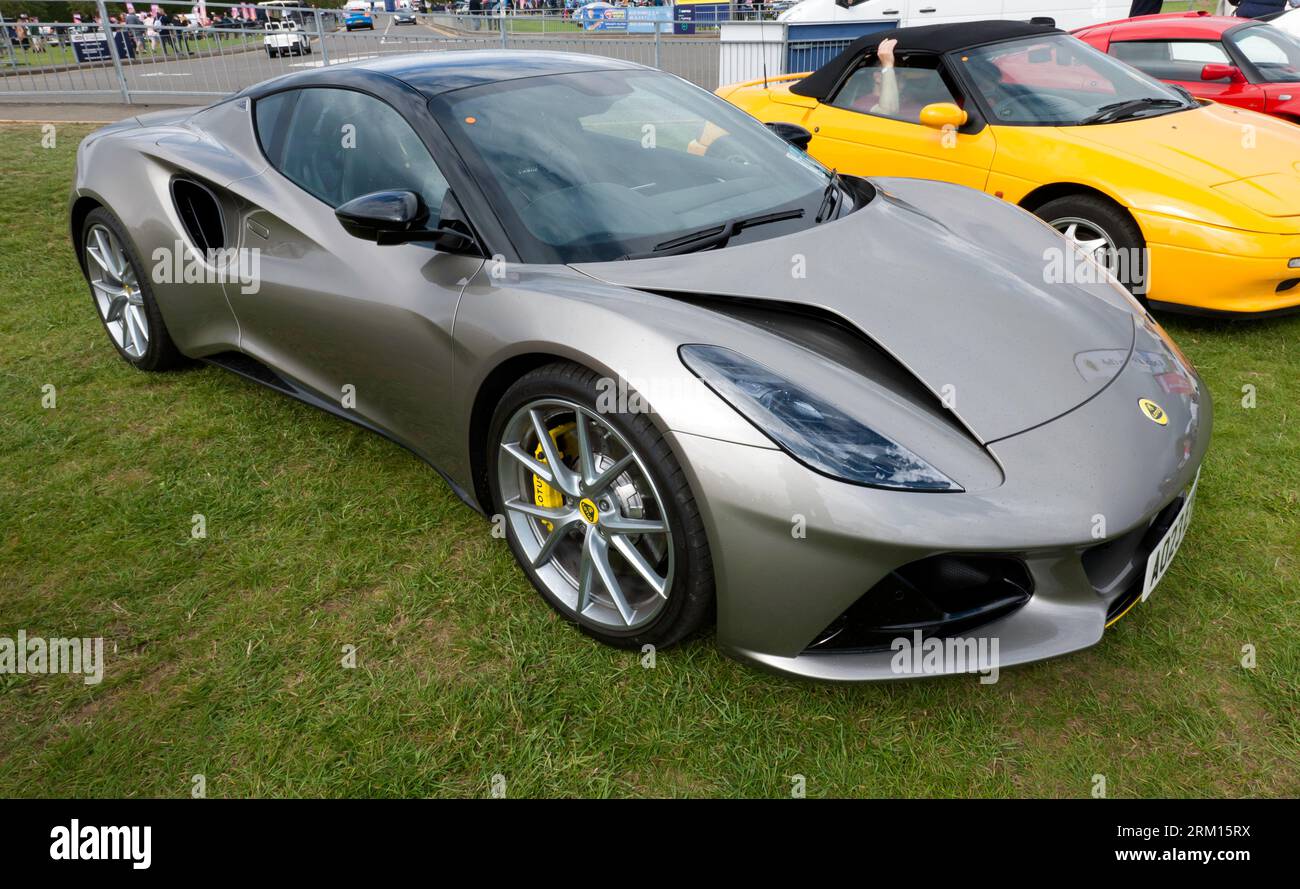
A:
[(1047, 193), (494, 386), (489, 394), (82, 207)]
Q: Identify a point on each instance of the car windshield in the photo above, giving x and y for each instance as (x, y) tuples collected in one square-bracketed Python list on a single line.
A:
[(1062, 81), (588, 167), (1274, 53)]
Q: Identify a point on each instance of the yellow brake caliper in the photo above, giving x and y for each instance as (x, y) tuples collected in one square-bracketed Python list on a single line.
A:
[(543, 494)]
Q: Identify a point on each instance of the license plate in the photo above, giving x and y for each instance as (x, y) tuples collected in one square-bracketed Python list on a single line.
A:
[(1163, 555)]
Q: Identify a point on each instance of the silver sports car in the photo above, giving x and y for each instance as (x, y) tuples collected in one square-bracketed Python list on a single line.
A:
[(837, 416)]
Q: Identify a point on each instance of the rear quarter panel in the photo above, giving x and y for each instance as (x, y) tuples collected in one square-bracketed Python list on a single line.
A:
[(129, 170)]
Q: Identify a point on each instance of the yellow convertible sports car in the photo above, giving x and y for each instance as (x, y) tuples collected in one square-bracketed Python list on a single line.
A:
[(1194, 205)]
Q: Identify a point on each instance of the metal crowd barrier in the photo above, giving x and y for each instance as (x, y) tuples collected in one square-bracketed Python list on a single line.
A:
[(116, 56)]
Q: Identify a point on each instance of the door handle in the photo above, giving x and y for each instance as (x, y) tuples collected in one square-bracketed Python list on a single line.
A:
[(926, 9), (889, 12)]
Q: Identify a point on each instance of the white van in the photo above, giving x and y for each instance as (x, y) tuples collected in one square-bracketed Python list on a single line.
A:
[(1068, 14)]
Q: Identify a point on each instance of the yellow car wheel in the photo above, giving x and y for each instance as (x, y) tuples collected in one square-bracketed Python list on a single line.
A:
[(1104, 231)]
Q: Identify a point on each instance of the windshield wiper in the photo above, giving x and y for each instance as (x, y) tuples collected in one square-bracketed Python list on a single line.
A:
[(1116, 110), (717, 236), (829, 196)]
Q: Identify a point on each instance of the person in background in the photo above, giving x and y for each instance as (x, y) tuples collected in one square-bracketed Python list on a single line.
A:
[(166, 28), (151, 33), (182, 33), (1253, 9), (887, 80), (36, 36), (1145, 7), (132, 22)]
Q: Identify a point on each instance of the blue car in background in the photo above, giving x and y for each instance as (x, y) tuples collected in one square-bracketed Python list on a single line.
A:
[(356, 20)]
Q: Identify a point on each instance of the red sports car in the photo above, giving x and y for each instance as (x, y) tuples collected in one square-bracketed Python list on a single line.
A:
[(1241, 62)]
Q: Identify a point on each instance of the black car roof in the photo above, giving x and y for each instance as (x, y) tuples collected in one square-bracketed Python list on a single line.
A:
[(433, 73), (926, 38)]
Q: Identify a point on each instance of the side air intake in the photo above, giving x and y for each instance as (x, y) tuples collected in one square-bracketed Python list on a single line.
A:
[(200, 213)]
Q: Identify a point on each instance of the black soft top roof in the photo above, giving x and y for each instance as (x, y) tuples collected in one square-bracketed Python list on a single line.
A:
[(926, 38)]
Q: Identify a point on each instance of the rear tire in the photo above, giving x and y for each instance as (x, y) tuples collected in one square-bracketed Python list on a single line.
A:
[(123, 295), (1094, 222), (649, 490)]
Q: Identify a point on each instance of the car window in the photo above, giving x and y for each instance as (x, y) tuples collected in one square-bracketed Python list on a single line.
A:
[(1061, 81), (1274, 53), (1204, 52), (644, 116), (1171, 59), (589, 169), (340, 144), (916, 83), (1049, 66)]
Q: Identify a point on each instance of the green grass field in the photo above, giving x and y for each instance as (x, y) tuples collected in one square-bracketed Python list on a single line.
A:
[(224, 654), (1188, 6)]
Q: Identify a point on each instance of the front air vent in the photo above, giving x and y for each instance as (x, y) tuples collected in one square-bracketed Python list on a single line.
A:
[(200, 213), (941, 596), (1117, 568)]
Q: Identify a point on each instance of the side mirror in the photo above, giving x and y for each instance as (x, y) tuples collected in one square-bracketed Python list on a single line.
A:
[(401, 217), (1216, 71), (792, 133), (943, 114), (382, 212), (454, 234)]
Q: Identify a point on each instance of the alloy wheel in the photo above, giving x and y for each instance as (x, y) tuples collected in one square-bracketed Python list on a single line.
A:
[(586, 514), (117, 291), (1089, 237)]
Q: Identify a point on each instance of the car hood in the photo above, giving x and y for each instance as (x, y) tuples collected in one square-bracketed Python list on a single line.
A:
[(964, 290), (1273, 194), (1208, 147)]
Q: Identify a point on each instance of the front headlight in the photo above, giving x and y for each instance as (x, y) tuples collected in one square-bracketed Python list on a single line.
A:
[(810, 429)]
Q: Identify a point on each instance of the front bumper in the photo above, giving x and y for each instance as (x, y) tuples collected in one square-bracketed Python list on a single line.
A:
[(1207, 269), (1101, 473)]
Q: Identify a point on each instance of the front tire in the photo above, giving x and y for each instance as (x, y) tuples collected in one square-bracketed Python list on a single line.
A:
[(613, 539), (1105, 231), (123, 296)]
